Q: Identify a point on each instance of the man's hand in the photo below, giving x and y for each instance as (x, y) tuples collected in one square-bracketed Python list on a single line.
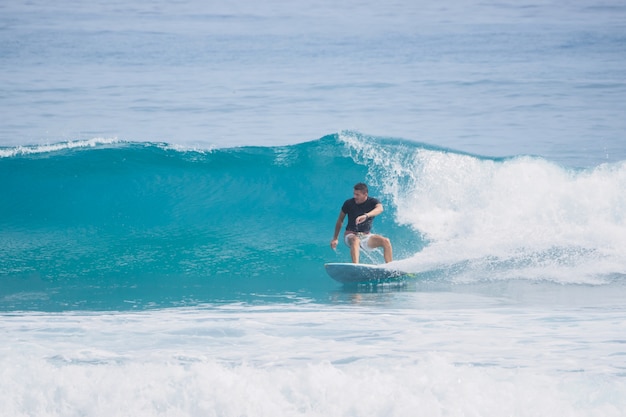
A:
[(333, 243)]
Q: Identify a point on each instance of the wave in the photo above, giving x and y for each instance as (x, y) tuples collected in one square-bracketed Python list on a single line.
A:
[(112, 224)]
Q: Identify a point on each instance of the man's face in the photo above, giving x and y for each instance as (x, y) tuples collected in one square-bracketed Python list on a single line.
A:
[(360, 196)]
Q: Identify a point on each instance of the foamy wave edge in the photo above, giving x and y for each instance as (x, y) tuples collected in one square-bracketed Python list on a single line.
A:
[(40, 149)]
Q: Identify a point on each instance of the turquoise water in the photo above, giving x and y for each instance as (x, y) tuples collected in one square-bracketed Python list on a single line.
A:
[(171, 174), (131, 225), (134, 225)]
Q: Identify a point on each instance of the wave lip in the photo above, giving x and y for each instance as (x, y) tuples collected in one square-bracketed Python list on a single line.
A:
[(55, 147)]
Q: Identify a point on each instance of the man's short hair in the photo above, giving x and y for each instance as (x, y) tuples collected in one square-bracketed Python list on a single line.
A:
[(361, 186)]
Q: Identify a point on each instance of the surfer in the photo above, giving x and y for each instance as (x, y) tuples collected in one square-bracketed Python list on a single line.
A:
[(361, 211)]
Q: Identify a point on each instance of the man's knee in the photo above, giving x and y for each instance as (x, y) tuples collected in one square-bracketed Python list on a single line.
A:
[(355, 242), (385, 242), (379, 241)]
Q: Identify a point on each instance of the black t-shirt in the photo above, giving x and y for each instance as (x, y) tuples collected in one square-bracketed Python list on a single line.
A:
[(354, 210)]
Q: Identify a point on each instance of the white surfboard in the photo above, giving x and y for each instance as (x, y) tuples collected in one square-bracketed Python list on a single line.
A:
[(348, 273)]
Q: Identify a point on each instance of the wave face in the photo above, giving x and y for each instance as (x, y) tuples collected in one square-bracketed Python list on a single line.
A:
[(104, 224)]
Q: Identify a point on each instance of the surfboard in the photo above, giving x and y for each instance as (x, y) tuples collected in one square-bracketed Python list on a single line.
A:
[(349, 273)]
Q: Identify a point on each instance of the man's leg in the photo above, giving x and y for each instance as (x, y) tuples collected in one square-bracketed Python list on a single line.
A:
[(378, 241), (355, 248)]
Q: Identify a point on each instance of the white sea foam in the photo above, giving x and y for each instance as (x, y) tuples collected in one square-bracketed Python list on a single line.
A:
[(314, 360), (543, 220), (40, 149)]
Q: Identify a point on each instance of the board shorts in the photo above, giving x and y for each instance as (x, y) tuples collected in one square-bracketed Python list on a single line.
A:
[(364, 237)]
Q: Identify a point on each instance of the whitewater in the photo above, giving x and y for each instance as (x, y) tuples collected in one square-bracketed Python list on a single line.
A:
[(171, 174)]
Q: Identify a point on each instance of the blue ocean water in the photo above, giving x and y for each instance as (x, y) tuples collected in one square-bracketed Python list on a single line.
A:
[(115, 225), (171, 172)]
